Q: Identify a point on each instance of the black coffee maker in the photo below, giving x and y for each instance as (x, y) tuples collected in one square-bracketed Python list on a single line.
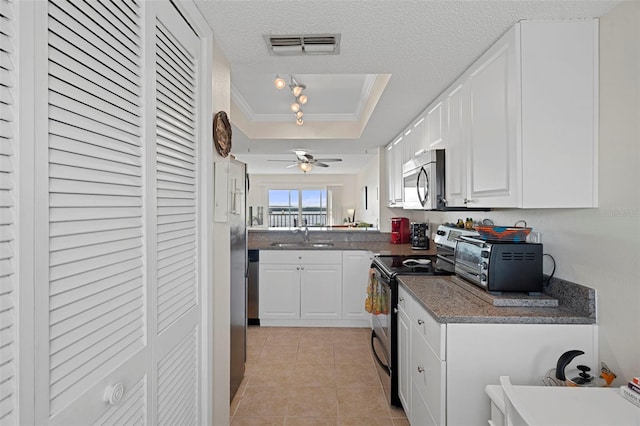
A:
[(419, 236)]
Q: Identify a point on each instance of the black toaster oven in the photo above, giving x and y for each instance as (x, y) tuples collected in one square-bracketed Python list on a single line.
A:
[(500, 266)]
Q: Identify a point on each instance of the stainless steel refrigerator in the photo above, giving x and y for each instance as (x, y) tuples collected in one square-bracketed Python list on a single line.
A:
[(239, 267)]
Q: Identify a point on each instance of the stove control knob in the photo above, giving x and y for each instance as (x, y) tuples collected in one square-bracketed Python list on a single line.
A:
[(484, 265), (484, 254), (483, 277), (439, 232)]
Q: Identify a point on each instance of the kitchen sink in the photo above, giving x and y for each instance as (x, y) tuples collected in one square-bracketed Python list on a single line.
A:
[(303, 245)]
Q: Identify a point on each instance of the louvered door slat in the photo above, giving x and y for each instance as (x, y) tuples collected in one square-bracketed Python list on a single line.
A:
[(170, 104), (92, 320), (104, 128), (168, 47), (186, 397), (130, 320), (8, 265), (73, 94), (69, 158), (90, 82), (166, 139), (171, 89), (73, 228), (87, 374), (91, 37), (96, 184), (92, 200), (103, 153), (98, 20), (177, 246)]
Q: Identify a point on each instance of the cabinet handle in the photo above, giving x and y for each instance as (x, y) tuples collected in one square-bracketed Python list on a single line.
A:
[(302, 268), (298, 268), (401, 299), (114, 393), (395, 310), (420, 322), (469, 200), (420, 369)]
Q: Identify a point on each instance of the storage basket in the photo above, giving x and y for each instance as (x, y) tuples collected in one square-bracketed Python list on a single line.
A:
[(510, 234)]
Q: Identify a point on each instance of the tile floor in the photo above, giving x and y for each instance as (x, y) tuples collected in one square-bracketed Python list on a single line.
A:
[(311, 376)]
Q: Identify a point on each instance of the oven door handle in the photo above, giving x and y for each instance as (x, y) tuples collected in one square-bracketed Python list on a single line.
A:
[(375, 355)]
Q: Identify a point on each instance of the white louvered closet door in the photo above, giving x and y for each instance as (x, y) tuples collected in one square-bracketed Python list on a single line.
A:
[(117, 294), (8, 277), (177, 306)]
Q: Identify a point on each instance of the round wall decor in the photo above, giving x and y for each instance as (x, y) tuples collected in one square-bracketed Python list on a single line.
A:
[(222, 133)]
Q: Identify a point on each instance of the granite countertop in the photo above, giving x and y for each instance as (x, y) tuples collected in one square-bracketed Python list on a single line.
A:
[(373, 241), (452, 300)]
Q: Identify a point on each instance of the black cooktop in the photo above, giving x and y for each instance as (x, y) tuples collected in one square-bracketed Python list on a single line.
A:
[(409, 265)]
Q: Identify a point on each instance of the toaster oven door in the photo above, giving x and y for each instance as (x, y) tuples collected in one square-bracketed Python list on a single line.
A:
[(469, 262)]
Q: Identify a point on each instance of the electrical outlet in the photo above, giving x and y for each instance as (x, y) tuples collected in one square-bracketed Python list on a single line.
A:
[(534, 237)]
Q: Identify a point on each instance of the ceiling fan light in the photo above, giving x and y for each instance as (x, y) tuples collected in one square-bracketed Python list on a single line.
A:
[(299, 121), (302, 99), (295, 107), (299, 114), (279, 82), (305, 167)]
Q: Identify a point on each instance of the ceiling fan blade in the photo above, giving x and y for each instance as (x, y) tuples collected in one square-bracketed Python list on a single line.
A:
[(329, 160), (292, 165), (286, 161), (307, 156), (320, 164)]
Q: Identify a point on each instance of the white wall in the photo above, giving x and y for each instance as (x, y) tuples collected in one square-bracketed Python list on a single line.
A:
[(369, 177), (600, 248), (221, 262)]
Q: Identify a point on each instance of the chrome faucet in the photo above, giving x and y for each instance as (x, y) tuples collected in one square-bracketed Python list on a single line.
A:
[(305, 235)]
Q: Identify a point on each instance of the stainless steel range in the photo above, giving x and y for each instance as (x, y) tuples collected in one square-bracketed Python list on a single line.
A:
[(384, 341), (446, 239)]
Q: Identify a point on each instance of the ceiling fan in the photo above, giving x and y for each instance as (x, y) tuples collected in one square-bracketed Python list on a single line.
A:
[(306, 161)]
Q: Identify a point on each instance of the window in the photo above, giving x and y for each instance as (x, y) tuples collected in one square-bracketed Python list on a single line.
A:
[(297, 207)]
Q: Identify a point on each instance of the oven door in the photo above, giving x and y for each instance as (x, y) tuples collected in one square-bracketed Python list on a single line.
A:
[(383, 339)]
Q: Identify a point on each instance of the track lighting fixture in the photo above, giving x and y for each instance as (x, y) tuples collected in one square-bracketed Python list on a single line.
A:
[(296, 90)]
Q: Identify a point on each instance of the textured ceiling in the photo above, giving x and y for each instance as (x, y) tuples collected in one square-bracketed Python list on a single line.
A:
[(424, 45)]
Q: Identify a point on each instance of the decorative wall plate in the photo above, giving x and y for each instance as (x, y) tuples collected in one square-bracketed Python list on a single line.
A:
[(222, 133)]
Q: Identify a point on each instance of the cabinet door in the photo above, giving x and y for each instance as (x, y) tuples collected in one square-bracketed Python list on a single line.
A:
[(320, 291), (428, 374), (279, 291), (435, 138), (456, 102), (404, 360), (420, 143), (493, 141), (394, 173), (355, 277)]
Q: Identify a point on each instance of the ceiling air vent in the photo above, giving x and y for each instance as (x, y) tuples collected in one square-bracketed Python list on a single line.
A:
[(313, 44)]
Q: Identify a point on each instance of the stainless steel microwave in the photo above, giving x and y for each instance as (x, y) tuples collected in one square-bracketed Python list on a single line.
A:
[(423, 181), (500, 267)]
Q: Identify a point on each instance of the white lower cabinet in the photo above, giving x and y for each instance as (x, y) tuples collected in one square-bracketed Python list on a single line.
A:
[(313, 288), (451, 364), (355, 277), (404, 358)]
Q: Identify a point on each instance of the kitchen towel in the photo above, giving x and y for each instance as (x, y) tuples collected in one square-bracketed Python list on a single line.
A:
[(376, 301)]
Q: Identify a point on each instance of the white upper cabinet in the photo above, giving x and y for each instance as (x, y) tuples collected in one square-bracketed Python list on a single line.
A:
[(522, 121), (456, 111), (434, 134), (393, 159)]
